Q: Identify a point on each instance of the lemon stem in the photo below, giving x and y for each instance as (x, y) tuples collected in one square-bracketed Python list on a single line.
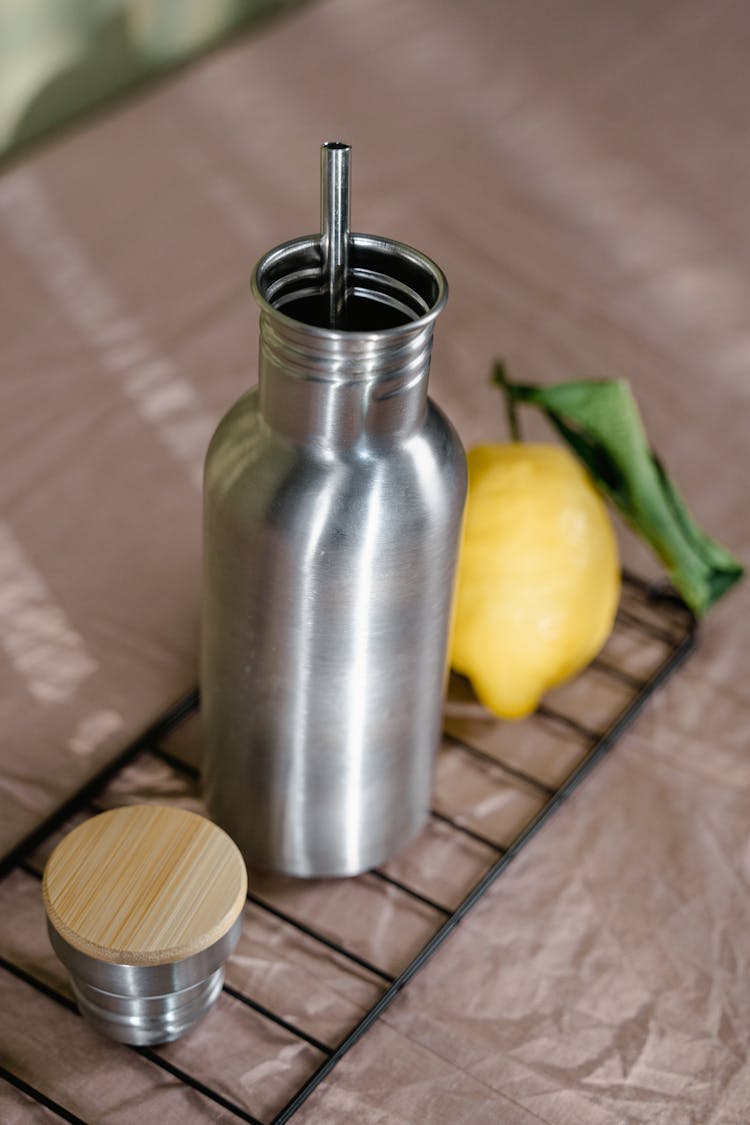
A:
[(500, 377)]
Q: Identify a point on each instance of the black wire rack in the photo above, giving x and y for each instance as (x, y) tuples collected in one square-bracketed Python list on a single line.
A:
[(654, 633)]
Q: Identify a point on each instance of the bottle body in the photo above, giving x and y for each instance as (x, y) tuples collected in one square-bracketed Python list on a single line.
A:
[(332, 504)]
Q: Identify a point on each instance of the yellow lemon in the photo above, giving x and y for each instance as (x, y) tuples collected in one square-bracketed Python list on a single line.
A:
[(539, 575)]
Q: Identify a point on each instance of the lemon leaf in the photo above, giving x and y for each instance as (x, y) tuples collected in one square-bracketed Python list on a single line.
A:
[(600, 421)]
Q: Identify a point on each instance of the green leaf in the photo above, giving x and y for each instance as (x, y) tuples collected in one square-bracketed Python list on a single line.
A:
[(600, 421)]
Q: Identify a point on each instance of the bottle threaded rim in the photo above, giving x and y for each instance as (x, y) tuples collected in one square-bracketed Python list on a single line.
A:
[(392, 289)]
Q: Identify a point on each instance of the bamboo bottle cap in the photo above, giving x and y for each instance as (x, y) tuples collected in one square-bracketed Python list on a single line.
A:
[(144, 885)]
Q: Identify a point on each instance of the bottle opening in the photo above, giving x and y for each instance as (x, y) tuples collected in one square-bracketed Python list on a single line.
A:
[(390, 285), (362, 314)]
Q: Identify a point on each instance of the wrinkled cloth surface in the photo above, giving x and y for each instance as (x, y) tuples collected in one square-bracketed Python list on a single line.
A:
[(580, 171)]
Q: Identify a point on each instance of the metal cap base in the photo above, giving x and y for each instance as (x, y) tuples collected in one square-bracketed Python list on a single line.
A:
[(147, 1020)]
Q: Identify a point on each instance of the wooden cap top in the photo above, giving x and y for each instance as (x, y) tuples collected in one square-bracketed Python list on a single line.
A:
[(144, 885)]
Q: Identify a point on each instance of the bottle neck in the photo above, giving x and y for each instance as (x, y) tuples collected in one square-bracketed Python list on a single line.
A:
[(340, 391)]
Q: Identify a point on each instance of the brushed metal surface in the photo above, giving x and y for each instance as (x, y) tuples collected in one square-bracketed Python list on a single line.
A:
[(146, 1004), (148, 1020), (333, 500), (334, 225)]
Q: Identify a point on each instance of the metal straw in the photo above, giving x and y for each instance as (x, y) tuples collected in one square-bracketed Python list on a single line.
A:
[(334, 226)]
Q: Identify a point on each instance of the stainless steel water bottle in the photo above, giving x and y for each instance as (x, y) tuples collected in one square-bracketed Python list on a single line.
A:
[(333, 500)]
